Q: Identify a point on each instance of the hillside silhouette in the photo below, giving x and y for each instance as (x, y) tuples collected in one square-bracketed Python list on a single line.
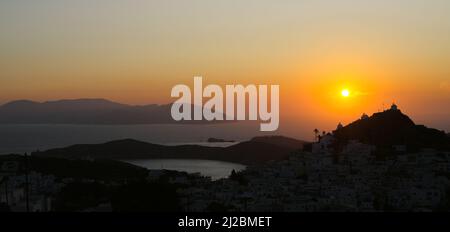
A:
[(248, 152), (392, 127)]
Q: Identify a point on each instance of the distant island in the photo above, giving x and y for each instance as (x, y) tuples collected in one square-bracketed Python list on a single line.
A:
[(216, 140), (86, 111), (256, 151)]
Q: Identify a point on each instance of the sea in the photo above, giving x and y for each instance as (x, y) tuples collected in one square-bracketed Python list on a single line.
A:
[(211, 168), (21, 138), (26, 138)]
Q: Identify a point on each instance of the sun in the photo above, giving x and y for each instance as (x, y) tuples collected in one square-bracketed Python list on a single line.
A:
[(345, 93)]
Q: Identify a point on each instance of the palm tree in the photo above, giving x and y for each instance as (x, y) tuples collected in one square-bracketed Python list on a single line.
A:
[(316, 134)]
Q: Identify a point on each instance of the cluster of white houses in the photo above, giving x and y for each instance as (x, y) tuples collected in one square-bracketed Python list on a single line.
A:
[(41, 189), (318, 181), (308, 181)]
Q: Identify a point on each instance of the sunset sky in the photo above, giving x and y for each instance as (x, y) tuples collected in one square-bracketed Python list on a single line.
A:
[(135, 51)]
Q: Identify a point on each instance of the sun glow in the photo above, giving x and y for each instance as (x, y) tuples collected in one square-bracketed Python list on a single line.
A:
[(345, 93)]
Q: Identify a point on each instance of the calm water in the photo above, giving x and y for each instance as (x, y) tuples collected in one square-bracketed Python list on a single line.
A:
[(212, 168), (27, 138)]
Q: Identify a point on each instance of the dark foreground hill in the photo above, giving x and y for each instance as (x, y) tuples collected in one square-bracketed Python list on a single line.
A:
[(249, 152), (281, 141), (392, 127), (100, 169)]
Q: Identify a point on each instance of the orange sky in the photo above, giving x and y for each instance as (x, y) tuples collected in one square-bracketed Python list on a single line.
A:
[(135, 51)]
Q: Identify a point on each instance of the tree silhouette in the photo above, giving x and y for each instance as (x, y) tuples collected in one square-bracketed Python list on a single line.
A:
[(316, 134), (233, 174)]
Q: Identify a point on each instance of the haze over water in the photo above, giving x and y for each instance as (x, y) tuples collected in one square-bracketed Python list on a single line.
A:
[(28, 138)]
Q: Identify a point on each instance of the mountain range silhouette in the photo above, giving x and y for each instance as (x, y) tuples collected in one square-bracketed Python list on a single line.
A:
[(86, 111)]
